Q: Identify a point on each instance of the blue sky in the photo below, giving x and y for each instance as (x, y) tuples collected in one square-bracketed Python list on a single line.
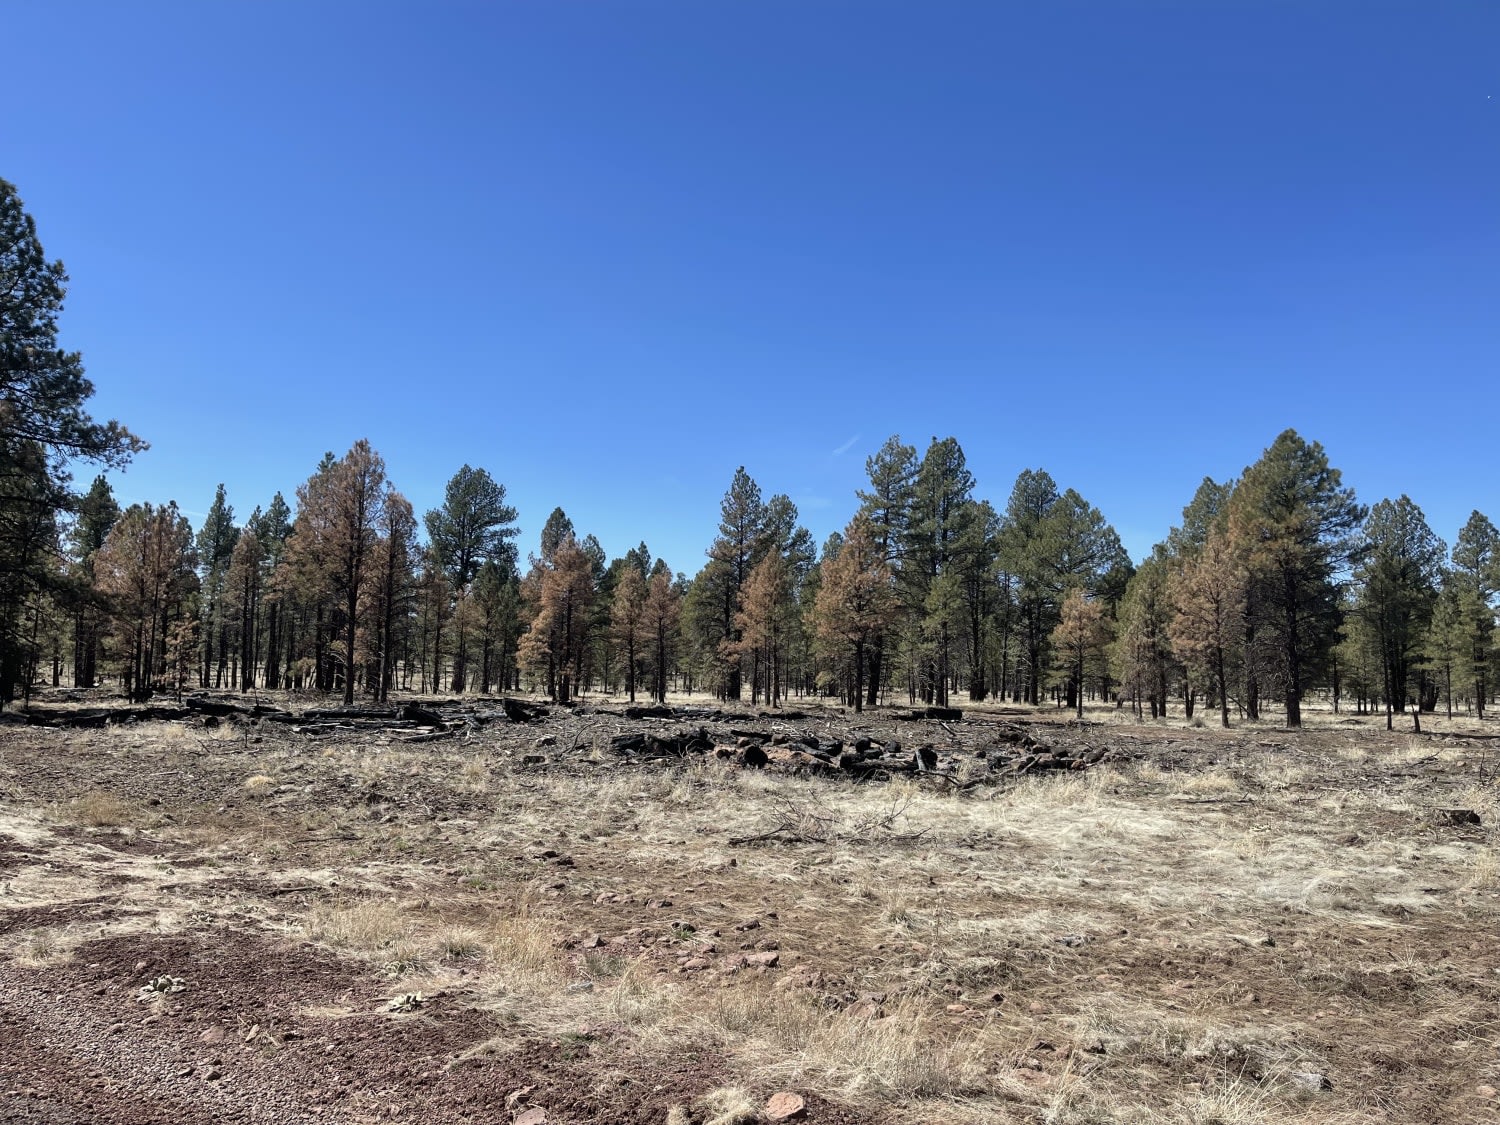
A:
[(611, 251)]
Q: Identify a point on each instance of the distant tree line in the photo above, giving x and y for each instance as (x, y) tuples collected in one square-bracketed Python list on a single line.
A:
[(1278, 586)]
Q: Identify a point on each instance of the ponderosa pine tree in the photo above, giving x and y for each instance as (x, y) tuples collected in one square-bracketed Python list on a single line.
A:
[(339, 511), (1079, 638), (1294, 525), (97, 513), (627, 619), (761, 621), (271, 529), (1051, 543), (560, 587), (1207, 628), (1026, 554), (742, 526), (856, 599), (392, 583), (148, 571), (1446, 648), (942, 514), (1476, 566), (1143, 652), (215, 543), (893, 473), (473, 526), (43, 426), (241, 597), (1403, 563), (661, 618), (497, 596)]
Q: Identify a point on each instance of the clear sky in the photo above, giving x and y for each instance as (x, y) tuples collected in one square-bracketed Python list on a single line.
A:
[(611, 251)]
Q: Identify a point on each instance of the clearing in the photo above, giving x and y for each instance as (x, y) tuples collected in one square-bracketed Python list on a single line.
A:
[(450, 914)]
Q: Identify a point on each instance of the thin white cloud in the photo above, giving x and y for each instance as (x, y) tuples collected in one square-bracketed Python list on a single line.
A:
[(848, 445)]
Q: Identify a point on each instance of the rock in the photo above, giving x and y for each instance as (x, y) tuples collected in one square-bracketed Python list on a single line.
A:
[(518, 1097), (1455, 818), (212, 1035), (783, 1106), (534, 1116), (1310, 1081), (767, 960)]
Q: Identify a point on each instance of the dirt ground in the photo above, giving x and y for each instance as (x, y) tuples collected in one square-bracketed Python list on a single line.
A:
[(241, 920)]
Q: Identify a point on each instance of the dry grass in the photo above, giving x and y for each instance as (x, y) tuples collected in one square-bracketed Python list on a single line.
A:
[(99, 809), (1166, 941)]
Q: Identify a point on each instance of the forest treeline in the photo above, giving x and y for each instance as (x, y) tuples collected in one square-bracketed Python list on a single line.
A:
[(1276, 586)]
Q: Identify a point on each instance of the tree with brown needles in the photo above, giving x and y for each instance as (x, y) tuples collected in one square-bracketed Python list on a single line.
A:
[(856, 601)]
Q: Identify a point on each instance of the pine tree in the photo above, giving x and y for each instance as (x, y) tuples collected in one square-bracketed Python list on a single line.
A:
[(1476, 565), (97, 513), (1402, 567), (561, 589), (1207, 628), (741, 540), (1079, 637), (942, 514), (1143, 659), (627, 619), (272, 527), (147, 570), (661, 617), (339, 510), (216, 541), (893, 472), (1294, 525), (761, 621), (474, 526), (241, 599), (43, 426), (856, 599), (391, 581)]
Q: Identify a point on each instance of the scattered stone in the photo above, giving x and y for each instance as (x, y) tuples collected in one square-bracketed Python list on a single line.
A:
[(783, 1106), (1310, 1081)]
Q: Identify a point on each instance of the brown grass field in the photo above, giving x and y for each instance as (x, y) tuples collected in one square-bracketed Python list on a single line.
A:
[(252, 923)]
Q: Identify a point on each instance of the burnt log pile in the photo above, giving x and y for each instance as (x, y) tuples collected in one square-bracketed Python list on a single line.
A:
[(931, 745), (786, 742)]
